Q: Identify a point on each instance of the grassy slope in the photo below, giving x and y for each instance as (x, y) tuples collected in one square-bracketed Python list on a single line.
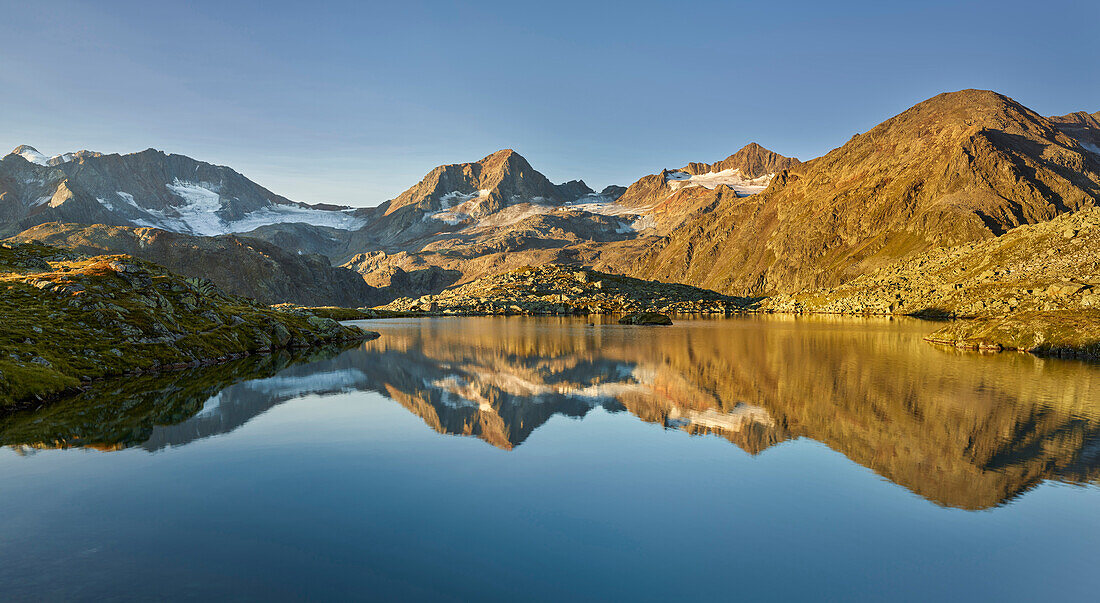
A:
[(68, 319)]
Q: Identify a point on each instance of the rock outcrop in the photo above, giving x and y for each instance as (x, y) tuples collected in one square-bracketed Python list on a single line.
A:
[(645, 319), (555, 289)]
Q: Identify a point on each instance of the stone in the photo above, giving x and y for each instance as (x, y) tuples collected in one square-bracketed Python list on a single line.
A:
[(646, 319)]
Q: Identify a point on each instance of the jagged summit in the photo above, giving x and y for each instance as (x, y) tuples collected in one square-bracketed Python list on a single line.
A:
[(751, 161), (484, 186), (32, 155), (673, 196)]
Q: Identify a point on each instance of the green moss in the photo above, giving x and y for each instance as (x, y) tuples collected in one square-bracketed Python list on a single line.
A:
[(68, 319)]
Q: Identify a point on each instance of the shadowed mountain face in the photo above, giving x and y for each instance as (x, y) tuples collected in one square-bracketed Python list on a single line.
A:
[(239, 265), (959, 167), (960, 430)]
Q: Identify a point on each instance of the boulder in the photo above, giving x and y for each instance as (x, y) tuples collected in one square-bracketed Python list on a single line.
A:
[(645, 318)]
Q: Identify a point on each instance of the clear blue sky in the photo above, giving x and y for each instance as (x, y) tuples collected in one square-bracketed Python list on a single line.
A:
[(353, 102)]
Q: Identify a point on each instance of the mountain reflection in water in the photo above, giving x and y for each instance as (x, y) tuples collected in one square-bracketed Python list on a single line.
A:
[(959, 429)]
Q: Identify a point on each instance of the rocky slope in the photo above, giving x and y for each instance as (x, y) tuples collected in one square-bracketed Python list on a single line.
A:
[(1047, 266), (554, 289), (70, 318), (239, 265), (960, 167), (149, 188)]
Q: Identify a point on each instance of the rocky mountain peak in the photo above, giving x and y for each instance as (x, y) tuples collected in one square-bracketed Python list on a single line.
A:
[(1082, 127), (752, 161), (31, 154), (497, 180)]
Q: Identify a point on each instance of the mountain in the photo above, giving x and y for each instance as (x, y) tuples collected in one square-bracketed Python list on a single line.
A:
[(239, 265), (150, 188), (458, 196), (1082, 127), (666, 200), (959, 167), (468, 220)]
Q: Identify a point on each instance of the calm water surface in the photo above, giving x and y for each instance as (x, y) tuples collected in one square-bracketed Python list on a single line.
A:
[(545, 459)]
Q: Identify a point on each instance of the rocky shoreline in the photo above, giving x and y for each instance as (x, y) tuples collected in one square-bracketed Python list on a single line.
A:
[(555, 289), (1061, 334)]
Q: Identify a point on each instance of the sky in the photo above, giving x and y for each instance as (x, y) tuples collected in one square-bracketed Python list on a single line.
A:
[(353, 102)]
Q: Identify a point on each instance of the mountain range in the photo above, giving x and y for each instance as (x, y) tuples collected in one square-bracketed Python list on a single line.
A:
[(149, 188), (960, 167)]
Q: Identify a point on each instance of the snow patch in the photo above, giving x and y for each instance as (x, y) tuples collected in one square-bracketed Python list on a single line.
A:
[(328, 382), (644, 223), (34, 156), (456, 207), (1088, 146), (732, 421), (711, 180), (288, 214), (198, 214)]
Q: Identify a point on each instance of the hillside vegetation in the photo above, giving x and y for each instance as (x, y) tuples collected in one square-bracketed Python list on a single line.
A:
[(69, 319)]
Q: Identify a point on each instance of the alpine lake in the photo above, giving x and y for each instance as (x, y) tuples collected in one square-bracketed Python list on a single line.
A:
[(550, 459)]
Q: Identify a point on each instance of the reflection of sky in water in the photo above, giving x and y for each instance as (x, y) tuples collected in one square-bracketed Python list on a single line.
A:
[(819, 476)]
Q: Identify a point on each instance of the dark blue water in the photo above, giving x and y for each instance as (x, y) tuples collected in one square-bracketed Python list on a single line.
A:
[(488, 459)]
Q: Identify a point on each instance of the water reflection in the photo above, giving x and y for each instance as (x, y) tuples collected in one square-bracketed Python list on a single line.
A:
[(169, 409), (958, 429)]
